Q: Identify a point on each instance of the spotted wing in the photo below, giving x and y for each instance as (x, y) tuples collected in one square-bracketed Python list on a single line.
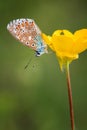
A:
[(26, 31)]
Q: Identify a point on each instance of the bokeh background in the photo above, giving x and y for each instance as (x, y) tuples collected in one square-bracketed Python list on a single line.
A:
[(36, 98)]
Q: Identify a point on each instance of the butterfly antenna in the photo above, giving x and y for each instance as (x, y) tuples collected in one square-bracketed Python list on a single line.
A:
[(29, 62)]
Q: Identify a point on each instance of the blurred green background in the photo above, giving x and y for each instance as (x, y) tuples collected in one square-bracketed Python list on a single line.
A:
[(36, 98)]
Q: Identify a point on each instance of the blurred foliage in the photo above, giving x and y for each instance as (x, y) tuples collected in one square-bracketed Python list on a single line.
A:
[(36, 98)]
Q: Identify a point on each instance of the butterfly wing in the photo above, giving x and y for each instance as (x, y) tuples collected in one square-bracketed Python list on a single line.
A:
[(28, 33)]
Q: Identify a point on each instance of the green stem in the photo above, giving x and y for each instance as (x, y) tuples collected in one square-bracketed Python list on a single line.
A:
[(70, 97)]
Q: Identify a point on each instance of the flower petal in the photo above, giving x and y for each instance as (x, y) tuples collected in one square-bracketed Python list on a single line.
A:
[(63, 32), (63, 44), (81, 34), (80, 40), (48, 40)]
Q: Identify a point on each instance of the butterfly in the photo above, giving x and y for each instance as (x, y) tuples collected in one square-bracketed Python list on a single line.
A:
[(29, 34)]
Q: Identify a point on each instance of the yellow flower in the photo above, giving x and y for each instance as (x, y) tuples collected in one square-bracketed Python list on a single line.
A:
[(66, 45)]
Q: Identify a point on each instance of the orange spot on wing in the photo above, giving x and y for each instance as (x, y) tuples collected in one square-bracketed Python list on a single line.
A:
[(26, 23), (22, 24), (18, 26)]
